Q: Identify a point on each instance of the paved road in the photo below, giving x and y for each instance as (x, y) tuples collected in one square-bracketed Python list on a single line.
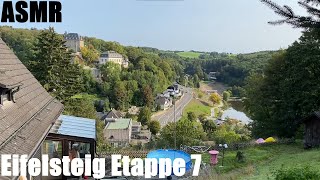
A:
[(168, 116)]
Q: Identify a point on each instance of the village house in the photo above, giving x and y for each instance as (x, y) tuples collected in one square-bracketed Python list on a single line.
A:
[(136, 127), (163, 102), (118, 133), (213, 75), (111, 116), (112, 56), (312, 130), (133, 110), (143, 137), (74, 41), (27, 111), (139, 135)]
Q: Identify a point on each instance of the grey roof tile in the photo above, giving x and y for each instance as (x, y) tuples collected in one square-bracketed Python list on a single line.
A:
[(25, 123)]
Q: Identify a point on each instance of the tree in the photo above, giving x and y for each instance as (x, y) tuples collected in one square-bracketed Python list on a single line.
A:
[(215, 98), (310, 21), (226, 95), (222, 135), (144, 116), (154, 127), (120, 97), (90, 54), (102, 146), (111, 72), (196, 81), (184, 131), (191, 116), (288, 89), (209, 126), (147, 96), (80, 107), (21, 41), (202, 117), (52, 66)]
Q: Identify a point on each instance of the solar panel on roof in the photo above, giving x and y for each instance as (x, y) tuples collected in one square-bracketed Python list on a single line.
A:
[(76, 126)]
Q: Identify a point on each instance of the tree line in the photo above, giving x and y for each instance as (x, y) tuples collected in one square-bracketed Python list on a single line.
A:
[(288, 88)]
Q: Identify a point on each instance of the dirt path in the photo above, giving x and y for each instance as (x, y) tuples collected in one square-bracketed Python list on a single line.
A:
[(204, 86)]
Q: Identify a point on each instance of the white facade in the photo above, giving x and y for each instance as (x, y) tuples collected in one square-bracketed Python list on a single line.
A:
[(112, 56)]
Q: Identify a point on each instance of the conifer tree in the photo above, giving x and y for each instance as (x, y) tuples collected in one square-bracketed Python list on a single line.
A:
[(53, 68), (312, 20)]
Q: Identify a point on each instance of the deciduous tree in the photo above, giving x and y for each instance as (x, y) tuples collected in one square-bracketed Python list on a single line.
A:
[(154, 127), (215, 98), (144, 116)]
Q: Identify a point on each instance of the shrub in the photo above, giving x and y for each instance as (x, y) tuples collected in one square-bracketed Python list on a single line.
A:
[(240, 157), (297, 173), (226, 95)]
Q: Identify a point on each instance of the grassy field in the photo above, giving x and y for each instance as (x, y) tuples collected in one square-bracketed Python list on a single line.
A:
[(197, 107), (189, 54), (260, 162)]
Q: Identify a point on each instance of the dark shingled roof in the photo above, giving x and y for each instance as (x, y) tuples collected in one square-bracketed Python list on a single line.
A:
[(111, 54), (25, 123), (72, 36), (113, 114)]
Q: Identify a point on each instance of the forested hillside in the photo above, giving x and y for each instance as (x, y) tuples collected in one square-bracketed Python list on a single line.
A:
[(232, 70), (150, 69), (147, 75), (152, 63)]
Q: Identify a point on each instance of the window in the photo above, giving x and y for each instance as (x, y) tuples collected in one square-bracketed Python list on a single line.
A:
[(5, 96), (52, 148)]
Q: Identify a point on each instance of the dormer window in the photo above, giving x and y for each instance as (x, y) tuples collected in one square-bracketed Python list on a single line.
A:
[(8, 87), (4, 96)]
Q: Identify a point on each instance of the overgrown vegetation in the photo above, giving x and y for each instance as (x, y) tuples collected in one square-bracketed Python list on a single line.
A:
[(288, 89)]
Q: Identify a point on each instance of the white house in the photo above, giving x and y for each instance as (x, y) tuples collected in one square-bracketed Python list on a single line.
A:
[(112, 56)]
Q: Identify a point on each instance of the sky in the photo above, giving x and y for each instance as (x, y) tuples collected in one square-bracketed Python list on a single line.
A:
[(233, 26)]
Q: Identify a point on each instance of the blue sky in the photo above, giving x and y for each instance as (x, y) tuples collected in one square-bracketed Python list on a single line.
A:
[(237, 26)]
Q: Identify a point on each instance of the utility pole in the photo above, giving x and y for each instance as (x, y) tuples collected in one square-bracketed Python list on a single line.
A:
[(175, 124)]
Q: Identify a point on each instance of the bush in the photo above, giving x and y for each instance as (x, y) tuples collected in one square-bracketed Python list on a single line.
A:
[(297, 173), (240, 157)]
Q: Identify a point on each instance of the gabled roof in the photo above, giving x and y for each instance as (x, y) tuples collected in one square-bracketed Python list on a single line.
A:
[(72, 36), (75, 126), (25, 123), (119, 124), (113, 114)]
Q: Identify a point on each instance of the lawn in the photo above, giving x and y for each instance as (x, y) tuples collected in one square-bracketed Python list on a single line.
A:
[(197, 107), (261, 161), (189, 54)]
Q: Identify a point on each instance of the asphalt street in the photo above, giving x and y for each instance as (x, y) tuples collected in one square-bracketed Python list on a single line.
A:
[(168, 116)]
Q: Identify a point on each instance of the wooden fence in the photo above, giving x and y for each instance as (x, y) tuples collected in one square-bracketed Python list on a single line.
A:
[(131, 154)]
